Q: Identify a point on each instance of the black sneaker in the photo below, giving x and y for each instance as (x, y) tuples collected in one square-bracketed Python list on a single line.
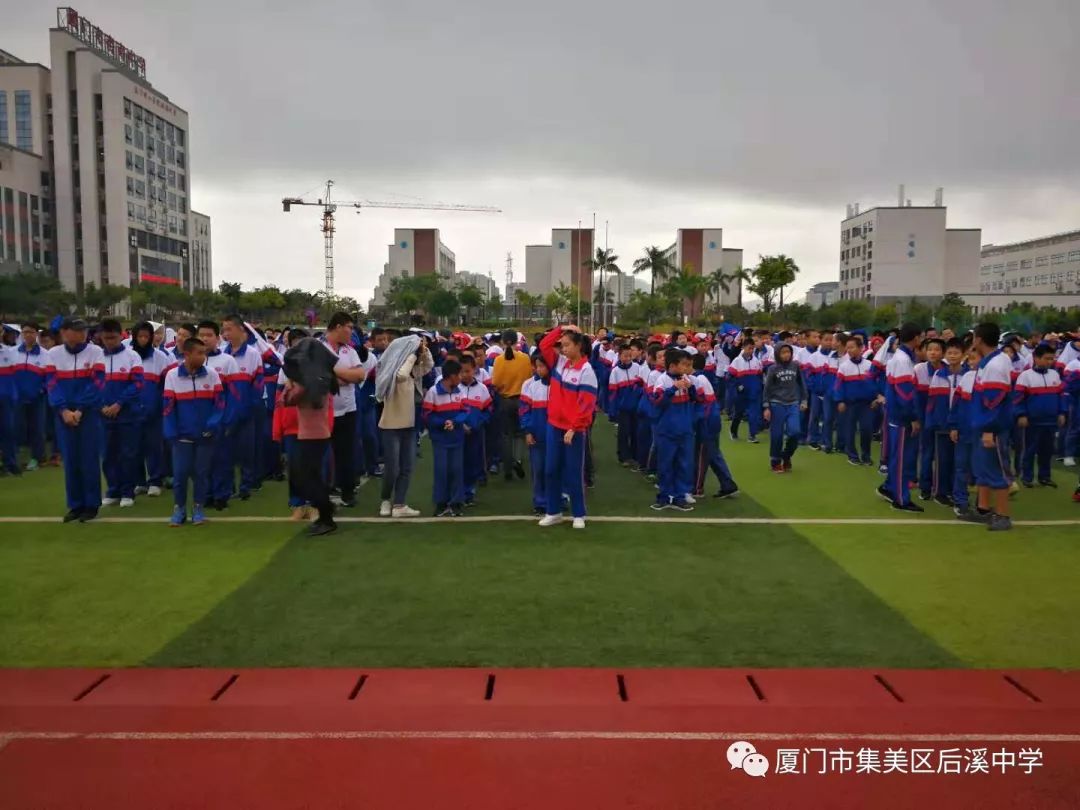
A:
[(907, 507), (727, 493), (827, 451), (999, 523), (87, 515), (660, 506), (349, 504), (815, 446), (1028, 484), (972, 515), (455, 510), (787, 465), (72, 516), (320, 529), (538, 512), (470, 503), (245, 496), (944, 500), (924, 496), (733, 435), (854, 462), (868, 462), (519, 470), (681, 506), (442, 510), (753, 440), (1048, 483), (884, 493)]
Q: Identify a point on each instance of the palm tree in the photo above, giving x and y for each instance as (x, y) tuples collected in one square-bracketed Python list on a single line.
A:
[(604, 262), (527, 302), (657, 264), (786, 270), (720, 282)]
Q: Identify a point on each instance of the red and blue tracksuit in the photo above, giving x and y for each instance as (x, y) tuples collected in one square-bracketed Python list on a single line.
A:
[(1040, 396), (960, 421), (367, 417), (478, 410), (248, 417), (192, 415), (31, 408), (880, 360), (642, 414), (533, 419), (813, 364), (75, 380), (601, 365), (675, 417), (623, 393), (150, 465), (571, 407), (222, 475), (991, 412), (448, 446), (832, 430), (123, 387), (707, 438), (1070, 376), (746, 379), (9, 401), (924, 373), (901, 410), (936, 424), (856, 389)]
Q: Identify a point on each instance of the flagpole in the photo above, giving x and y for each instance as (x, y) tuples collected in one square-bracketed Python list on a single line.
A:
[(578, 275)]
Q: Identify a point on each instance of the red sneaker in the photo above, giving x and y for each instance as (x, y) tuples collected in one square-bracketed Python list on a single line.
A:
[(778, 468)]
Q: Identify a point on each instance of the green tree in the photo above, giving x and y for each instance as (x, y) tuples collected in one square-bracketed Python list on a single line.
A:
[(442, 304), (770, 277), (27, 294), (605, 262), (916, 312), (798, 315), (470, 297), (849, 314), (656, 264), (644, 308), (100, 301), (209, 304), (685, 291), (953, 313), (231, 293), (527, 303), (562, 302), (719, 283)]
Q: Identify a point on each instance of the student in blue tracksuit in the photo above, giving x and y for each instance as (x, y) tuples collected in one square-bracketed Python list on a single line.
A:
[(832, 427), (9, 401), (478, 409), (644, 407), (903, 421), (30, 388), (961, 435), (150, 466), (707, 435), (1040, 405), (622, 403), (444, 416), (784, 398), (192, 414), (933, 350), (943, 387), (674, 397), (746, 375), (855, 394), (121, 411), (532, 414), (75, 378)]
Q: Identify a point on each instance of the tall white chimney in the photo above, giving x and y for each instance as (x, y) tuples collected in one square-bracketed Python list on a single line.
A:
[(900, 196), (849, 214), (939, 197), (856, 209)]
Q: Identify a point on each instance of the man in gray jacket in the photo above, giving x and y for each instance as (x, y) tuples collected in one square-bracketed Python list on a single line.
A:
[(784, 398)]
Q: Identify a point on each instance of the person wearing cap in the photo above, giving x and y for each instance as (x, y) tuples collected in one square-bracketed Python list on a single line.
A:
[(75, 380), (30, 389)]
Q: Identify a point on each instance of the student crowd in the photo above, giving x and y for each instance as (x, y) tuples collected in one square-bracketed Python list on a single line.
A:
[(217, 407)]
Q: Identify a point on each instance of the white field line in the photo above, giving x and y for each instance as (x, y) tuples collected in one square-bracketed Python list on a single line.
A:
[(638, 736), (702, 521)]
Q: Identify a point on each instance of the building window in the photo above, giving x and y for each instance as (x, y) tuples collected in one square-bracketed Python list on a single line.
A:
[(129, 161), (24, 131), (131, 210), (1057, 258), (180, 160), (179, 137), (140, 164), (140, 189), (129, 133), (1042, 261), (1025, 264), (3, 117), (172, 179), (131, 185), (139, 141), (127, 108), (1074, 255)]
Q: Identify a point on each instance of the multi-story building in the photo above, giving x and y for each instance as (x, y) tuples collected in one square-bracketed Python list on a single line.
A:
[(893, 253), (512, 291), (202, 270), (1045, 271), (116, 153), (561, 262), (486, 284), (701, 251), (823, 294), (415, 252), (25, 229)]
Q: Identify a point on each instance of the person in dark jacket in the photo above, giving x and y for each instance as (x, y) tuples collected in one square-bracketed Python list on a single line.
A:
[(785, 397)]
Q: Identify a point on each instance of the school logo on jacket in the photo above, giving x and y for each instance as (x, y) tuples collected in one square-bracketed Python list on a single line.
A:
[(123, 368), (86, 364), (205, 385)]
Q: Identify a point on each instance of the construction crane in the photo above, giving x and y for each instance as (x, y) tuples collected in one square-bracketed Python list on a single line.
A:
[(330, 206)]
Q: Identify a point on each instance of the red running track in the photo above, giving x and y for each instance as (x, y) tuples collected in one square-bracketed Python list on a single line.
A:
[(536, 738)]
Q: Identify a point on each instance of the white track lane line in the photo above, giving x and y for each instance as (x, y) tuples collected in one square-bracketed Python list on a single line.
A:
[(702, 521)]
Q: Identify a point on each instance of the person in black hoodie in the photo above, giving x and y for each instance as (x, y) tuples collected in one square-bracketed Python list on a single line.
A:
[(785, 398)]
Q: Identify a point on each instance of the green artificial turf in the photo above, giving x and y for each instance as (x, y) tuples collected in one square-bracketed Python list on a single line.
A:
[(511, 594)]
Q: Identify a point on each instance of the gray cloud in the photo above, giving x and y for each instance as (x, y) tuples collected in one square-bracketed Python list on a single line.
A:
[(764, 118)]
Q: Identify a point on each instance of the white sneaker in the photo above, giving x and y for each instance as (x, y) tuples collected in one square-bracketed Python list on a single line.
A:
[(550, 520), (141, 490), (153, 492), (579, 523), (385, 508), (405, 512), (126, 502), (110, 501), (689, 499), (336, 500), (1069, 462)]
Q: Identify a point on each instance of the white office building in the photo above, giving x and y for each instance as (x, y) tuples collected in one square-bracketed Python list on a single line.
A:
[(1045, 271), (116, 153), (415, 252), (560, 262), (823, 294), (893, 253), (486, 284)]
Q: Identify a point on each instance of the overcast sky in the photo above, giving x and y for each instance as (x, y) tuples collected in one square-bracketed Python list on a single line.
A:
[(764, 118)]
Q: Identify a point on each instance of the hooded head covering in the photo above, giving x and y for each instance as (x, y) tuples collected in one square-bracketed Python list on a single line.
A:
[(391, 361)]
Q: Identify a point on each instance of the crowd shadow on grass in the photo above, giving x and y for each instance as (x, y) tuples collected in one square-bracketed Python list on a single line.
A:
[(514, 595)]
